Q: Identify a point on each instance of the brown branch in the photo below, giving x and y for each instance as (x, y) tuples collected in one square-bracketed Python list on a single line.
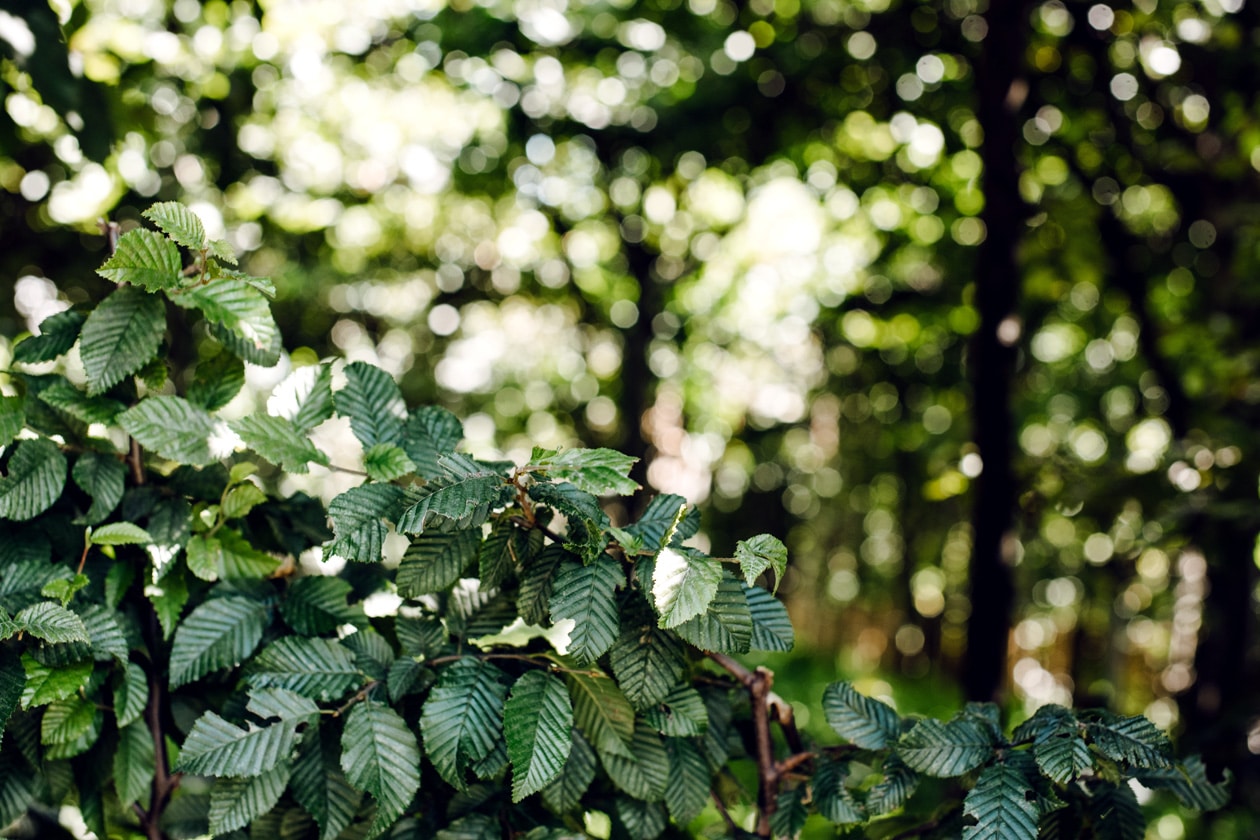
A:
[(731, 827), (787, 765), (136, 460), (758, 683), (359, 697), (782, 714), (164, 781)]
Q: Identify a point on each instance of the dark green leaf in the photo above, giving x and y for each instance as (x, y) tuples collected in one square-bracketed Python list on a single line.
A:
[(667, 521), (538, 577), (144, 258), (790, 813), (220, 633), (319, 785), (237, 307), (647, 661), (36, 475), (179, 223), (322, 669), (133, 762), (641, 820), (429, 434), (537, 719), (564, 794), (1000, 806), (463, 498), (1064, 755), (726, 626), (463, 718), (1189, 782), (681, 713), (69, 400), (317, 604), (120, 336), (472, 827), (279, 441), (892, 791), (172, 427), (1114, 811), (772, 628), (689, 780), (245, 349), (862, 720), (101, 477), (235, 803), (1130, 740), (131, 694), (217, 382), (215, 747), (12, 684), (586, 596), (507, 546), (373, 403), (12, 418), (57, 334), (52, 623), (372, 653), (644, 774), (358, 519), (106, 633), (586, 520), (602, 712), (434, 561), (832, 796), (380, 756), (946, 749)]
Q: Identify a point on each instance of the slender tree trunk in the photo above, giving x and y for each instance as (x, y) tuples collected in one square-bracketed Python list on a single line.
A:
[(991, 361)]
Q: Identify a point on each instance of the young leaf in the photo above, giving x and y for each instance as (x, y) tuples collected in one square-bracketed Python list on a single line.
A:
[(304, 398), (380, 756), (680, 714), (101, 477), (536, 722), (133, 762), (51, 622), (172, 427), (228, 556), (1000, 806), (772, 628), (241, 499), (236, 306), (386, 462), (862, 720), (463, 718), (689, 780), (217, 382), (946, 749), (647, 661), (602, 712), (179, 223), (57, 334), (434, 561), (36, 475), (1130, 740), (586, 594), (429, 434), (760, 553), (220, 633), (373, 403), (601, 472), (144, 258), (45, 684), (120, 533), (322, 669), (279, 441), (120, 336), (215, 747), (235, 803), (684, 583), (566, 791), (319, 785), (726, 626), (645, 774)]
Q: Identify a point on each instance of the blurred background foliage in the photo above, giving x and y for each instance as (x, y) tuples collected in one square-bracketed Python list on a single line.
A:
[(959, 298)]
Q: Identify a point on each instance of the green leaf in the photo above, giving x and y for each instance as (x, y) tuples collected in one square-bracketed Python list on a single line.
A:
[(241, 499), (726, 626), (228, 556), (832, 797), (305, 397), (463, 498), (689, 780), (172, 427), (106, 631), (680, 714), (386, 462), (12, 685), (57, 334), (433, 562), (602, 712), (317, 604), (52, 623), (641, 820), (373, 654), (69, 400), (1130, 740), (472, 827), (586, 521), (647, 661), (381, 757), (134, 762), (507, 546), (179, 223), (946, 749), (644, 774), (683, 585), (358, 520), (667, 521), (601, 472), (894, 790), (102, 477), (12, 418), (16, 793), (279, 441), (215, 747), (537, 719), (168, 599), (322, 669), (407, 676), (66, 721), (463, 718), (538, 577), (282, 704), (217, 381), (430, 433), (1064, 755), (37, 473), (120, 336), (245, 349), (862, 720), (45, 684), (235, 803), (586, 595), (1114, 811), (373, 403), (772, 628), (564, 794), (120, 533), (759, 553), (236, 306), (1000, 806), (319, 785), (220, 633), (790, 813), (144, 258), (1189, 782), (131, 694)]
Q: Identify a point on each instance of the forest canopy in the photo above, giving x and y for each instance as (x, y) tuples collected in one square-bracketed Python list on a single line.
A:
[(954, 295)]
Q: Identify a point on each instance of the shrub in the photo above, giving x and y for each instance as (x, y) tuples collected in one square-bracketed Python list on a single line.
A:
[(169, 669)]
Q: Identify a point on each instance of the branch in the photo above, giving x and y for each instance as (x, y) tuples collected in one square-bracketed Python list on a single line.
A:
[(758, 684)]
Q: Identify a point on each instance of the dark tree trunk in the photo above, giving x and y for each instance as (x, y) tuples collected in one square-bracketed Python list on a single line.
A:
[(991, 360)]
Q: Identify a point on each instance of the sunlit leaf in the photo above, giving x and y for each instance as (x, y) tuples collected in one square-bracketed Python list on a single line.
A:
[(144, 258), (178, 222), (684, 583)]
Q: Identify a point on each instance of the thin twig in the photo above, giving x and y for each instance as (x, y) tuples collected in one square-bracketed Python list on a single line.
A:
[(758, 683), (358, 697), (726, 815), (781, 712), (532, 659)]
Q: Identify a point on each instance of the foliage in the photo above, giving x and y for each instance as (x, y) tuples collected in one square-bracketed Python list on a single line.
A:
[(168, 668)]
